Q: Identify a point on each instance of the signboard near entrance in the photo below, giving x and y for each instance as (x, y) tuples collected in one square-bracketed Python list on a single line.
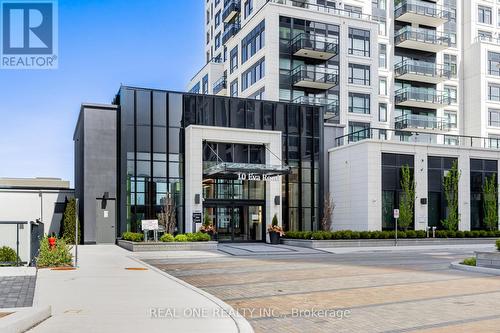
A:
[(149, 224), (196, 217), (257, 177), (396, 213)]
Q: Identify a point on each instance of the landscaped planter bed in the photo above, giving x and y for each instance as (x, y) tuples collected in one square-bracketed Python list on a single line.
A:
[(313, 244), (167, 246), (488, 259)]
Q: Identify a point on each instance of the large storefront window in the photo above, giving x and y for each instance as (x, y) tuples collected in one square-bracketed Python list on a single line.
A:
[(437, 205), (391, 185), (480, 170)]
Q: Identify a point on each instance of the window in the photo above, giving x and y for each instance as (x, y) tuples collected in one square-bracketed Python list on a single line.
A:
[(484, 14), (359, 103), (359, 42), (195, 89), (494, 92), (358, 131), (233, 60), (382, 56), (484, 35), (253, 74), (380, 4), (494, 63), (382, 86), (450, 63), (208, 37), (205, 84), (494, 141), (498, 18), (217, 41), (233, 88), (253, 42), (217, 19), (451, 118), (359, 74), (354, 11), (494, 117), (382, 27), (248, 8), (382, 112), (451, 93), (208, 16)]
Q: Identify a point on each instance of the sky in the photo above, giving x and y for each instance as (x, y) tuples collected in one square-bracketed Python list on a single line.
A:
[(102, 44)]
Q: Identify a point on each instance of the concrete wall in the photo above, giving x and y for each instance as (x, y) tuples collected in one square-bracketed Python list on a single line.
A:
[(356, 181), (95, 162), (29, 205)]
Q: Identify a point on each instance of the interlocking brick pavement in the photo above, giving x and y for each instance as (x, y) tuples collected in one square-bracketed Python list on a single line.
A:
[(17, 291), (382, 292)]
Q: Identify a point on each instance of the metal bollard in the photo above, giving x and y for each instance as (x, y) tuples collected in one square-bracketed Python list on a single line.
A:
[(433, 232)]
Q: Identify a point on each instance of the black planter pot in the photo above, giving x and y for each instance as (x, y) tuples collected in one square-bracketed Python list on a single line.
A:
[(274, 237)]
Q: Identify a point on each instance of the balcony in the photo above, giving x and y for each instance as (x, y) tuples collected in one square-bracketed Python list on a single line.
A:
[(315, 47), (305, 4), (231, 9), (421, 12), (220, 87), (421, 98), (421, 71), (330, 106), (422, 122), (313, 78), (422, 39), (229, 31)]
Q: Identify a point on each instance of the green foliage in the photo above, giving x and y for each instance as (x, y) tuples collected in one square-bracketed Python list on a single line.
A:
[(411, 234), (167, 238), (7, 255), (202, 237), (407, 204), (421, 234), (450, 185), (490, 203), (469, 261), (206, 219), (60, 255), (275, 220), (133, 236), (498, 244), (181, 238), (69, 222)]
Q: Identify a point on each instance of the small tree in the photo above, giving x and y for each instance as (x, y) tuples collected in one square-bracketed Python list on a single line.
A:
[(69, 222), (450, 185), (490, 205), (275, 220), (407, 204), (167, 216), (328, 207)]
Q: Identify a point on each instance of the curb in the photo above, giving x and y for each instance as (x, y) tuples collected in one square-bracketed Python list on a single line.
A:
[(242, 325), (24, 320), (484, 270)]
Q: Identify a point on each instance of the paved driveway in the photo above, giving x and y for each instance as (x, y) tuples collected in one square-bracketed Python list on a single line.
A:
[(382, 291)]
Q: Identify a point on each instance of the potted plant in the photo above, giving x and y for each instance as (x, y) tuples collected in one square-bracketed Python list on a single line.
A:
[(207, 226), (52, 241), (275, 231)]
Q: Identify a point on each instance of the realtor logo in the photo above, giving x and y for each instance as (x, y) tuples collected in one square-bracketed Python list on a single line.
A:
[(28, 34)]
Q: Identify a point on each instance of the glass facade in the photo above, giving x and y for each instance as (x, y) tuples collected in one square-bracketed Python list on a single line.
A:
[(437, 205), (480, 170), (151, 155)]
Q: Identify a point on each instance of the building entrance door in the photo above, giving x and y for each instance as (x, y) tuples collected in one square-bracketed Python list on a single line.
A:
[(237, 223)]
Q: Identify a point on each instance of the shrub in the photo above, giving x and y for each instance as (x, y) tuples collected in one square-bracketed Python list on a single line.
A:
[(202, 237), (190, 237), (411, 234), (60, 255), (69, 222), (318, 235), (402, 234), (167, 238), (451, 234), (467, 234), (355, 235), (307, 235), (133, 236), (483, 233), (460, 234), (441, 234), (7, 255), (469, 261), (490, 233), (421, 234), (181, 238), (498, 244), (365, 235), (475, 234)]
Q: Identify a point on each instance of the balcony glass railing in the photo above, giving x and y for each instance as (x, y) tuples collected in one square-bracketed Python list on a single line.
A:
[(422, 121), (422, 35), (330, 106), (322, 8), (313, 74), (392, 135), (422, 95), (219, 85), (315, 43), (230, 6), (229, 31), (488, 39), (422, 8), (422, 68)]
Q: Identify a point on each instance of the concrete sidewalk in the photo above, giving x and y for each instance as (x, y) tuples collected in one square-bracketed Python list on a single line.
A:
[(102, 296)]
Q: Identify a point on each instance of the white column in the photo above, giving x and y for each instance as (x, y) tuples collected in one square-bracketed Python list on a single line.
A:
[(421, 190), (464, 192), (193, 177), (273, 188)]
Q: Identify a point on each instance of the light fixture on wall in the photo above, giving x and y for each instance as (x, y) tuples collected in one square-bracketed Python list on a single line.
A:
[(277, 200), (197, 199)]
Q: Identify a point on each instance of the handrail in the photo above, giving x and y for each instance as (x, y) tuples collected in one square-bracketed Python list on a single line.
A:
[(322, 8), (421, 67)]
